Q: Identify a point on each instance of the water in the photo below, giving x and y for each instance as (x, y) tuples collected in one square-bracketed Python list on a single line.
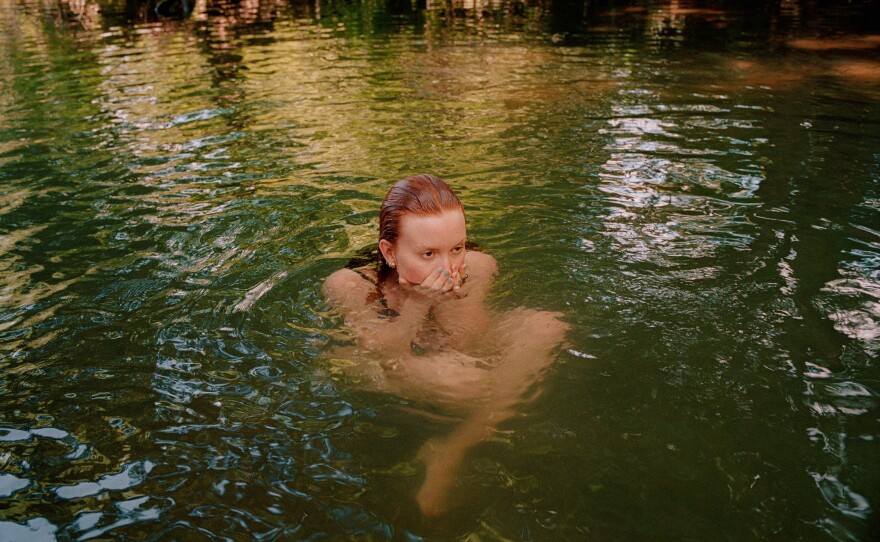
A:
[(694, 186)]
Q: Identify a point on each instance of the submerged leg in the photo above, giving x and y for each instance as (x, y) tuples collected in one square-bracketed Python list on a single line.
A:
[(527, 340), (530, 337)]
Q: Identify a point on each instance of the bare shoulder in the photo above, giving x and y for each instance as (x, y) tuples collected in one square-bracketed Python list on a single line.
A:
[(481, 263), (347, 288)]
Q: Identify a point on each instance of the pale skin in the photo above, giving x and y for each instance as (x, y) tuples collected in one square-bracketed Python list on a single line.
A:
[(438, 290)]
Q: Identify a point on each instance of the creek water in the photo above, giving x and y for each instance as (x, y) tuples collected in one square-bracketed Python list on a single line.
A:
[(693, 185)]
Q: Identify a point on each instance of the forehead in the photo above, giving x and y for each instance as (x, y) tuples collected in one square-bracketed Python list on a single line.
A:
[(434, 230)]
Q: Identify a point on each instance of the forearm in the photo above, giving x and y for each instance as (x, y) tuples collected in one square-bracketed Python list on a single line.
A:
[(394, 335), (465, 318), (465, 327)]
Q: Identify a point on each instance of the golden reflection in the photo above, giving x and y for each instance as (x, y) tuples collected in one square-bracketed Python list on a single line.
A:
[(20, 27), (19, 290), (11, 239), (87, 13), (472, 5), (10, 200), (777, 75), (369, 113), (676, 8), (860, 71), (791, 74), (837, 43)]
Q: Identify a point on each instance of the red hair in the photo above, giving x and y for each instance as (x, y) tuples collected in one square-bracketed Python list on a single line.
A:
[(421, 195)]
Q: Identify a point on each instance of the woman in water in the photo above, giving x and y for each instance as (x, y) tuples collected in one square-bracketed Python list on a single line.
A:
[(423, 331)]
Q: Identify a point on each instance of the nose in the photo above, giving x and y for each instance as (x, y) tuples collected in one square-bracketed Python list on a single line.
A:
[(447, 263)]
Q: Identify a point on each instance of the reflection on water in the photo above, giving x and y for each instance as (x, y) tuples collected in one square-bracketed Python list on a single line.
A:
[(693, 184)]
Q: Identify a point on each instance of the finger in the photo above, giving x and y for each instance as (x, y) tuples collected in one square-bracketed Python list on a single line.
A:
[(440, 284), (441, 280), (449, 284), (433, 277)]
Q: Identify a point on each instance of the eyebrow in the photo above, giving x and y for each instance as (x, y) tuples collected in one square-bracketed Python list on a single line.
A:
[(422, 248)]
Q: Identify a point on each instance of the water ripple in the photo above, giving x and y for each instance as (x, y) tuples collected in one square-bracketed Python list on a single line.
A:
[(694, 186)]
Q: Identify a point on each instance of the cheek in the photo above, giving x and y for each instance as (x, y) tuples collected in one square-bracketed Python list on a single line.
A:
[(413, 270)]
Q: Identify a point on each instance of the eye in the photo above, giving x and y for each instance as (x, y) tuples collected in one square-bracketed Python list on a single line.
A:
[(458, 249), (428, 254)]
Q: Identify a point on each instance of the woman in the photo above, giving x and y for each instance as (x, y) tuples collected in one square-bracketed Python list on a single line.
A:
[(421, 319)]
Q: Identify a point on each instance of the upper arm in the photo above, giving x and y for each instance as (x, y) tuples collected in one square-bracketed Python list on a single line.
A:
[(347, 292), (483, 267), (353, 297)]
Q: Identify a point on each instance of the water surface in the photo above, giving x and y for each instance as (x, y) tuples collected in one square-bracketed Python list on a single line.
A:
[(694, 186)]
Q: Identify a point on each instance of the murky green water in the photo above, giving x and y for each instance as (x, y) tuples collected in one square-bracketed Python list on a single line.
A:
[(696, 188)]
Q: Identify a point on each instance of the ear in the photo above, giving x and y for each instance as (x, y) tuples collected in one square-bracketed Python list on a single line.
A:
[(387, 250)]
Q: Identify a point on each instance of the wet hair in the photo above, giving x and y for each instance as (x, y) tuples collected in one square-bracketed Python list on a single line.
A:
[(423, 194)]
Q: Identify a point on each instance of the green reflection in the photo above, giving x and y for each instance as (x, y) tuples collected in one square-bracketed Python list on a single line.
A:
[(693, 184)]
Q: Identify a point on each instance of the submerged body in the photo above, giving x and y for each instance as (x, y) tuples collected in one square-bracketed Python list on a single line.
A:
[(452, 354), (423, 332)]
